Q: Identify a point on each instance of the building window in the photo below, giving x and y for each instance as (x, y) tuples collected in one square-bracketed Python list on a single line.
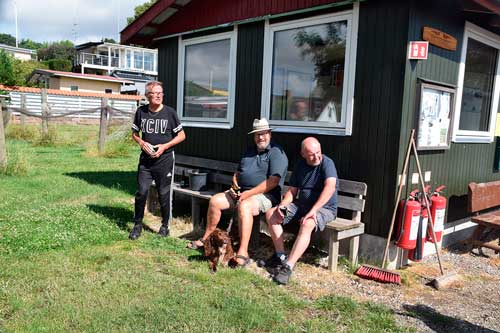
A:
[(308, 78), (108, 91), (149, 61), (207, 80), (478, 86), (138, 60), (128, 61), (74, 88)]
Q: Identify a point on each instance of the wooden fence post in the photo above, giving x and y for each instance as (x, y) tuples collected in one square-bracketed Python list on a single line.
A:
[(103, 125), (24, 108), (45, 113), (3, 149)]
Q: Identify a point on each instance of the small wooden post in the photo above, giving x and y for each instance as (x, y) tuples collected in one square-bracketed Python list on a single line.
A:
[(3, 149), (45, 113), (24, 108), (103, 125)]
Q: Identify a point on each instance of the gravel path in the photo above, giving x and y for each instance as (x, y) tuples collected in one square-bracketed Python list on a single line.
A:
[(471, 304)]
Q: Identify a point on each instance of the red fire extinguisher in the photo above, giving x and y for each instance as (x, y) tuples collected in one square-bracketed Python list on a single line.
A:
[(408, 220), (417, 253), (438, 212)]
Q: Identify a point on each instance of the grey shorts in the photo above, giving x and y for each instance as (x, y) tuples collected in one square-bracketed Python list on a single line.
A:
[(295, 212), (264, 200)]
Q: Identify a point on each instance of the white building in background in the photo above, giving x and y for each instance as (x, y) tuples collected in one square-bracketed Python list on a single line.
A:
[(18, 52), (122, 61)]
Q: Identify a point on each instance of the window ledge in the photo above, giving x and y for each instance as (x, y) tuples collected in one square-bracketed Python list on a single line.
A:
[(186, 123), (472, 139), (310, 130)]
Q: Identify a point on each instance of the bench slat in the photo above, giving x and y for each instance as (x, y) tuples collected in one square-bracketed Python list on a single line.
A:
[(198, 162), (198, 194), (483, 196), (350, 186), (341, 224), (490, 219), (351, 203)]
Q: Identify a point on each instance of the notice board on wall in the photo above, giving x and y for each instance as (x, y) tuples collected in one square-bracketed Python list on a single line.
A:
[(435, 108)]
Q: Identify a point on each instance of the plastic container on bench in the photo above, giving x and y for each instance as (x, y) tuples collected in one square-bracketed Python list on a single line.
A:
[(197, 180)]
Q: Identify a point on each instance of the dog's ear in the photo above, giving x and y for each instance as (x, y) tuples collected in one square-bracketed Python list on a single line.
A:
[(208, 246)]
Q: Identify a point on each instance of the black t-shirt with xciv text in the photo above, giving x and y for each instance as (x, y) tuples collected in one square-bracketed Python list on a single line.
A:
[(156, 127)]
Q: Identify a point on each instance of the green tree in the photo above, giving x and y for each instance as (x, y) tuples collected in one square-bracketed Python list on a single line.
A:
[(32, 45), (7, 76), (108, 40), (138, 10), (57, 50), (7, 39), (58, 64), (23, 70)]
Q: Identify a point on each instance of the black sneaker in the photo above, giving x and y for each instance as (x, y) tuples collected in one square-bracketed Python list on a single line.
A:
[(136, 231), (272, 263), (283, 275), (164, 231)]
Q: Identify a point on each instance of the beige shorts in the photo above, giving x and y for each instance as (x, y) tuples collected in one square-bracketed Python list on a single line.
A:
[(264, 200)]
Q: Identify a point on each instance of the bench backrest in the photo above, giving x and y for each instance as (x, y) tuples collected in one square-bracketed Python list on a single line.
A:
[(223, 171), (351, 193), (483, 196)]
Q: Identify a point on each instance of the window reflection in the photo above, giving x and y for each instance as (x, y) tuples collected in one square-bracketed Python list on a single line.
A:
[(206, 79), (137, 60), (480, 66), (148, 61), (308, 73)]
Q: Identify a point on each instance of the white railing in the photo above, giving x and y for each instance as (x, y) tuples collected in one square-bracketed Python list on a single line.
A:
[(98, 60), (142, 65)]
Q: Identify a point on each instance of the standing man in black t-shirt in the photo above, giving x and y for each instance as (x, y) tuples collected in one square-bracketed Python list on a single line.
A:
[(160, 130), (311, 201)]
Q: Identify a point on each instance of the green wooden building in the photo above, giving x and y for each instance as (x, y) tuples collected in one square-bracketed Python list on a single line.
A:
[(340, 71)]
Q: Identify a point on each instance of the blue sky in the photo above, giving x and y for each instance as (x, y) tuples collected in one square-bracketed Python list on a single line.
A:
[(79, 21)]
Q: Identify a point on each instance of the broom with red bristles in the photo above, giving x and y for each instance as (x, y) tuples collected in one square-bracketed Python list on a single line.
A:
[(381, 274)]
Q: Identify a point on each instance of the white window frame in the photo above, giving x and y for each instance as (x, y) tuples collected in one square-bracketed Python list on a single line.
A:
[(344, 127), (227, 122), (486, 37)]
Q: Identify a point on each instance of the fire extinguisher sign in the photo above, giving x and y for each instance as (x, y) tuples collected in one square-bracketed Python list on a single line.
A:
[(418, 50), (415, 219), (439, 220)]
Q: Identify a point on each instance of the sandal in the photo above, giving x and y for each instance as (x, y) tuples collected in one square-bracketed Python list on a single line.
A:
[(246, 261), (193, 246)]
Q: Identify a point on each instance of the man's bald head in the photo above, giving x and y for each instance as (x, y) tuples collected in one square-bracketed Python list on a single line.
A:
[(310, 150)]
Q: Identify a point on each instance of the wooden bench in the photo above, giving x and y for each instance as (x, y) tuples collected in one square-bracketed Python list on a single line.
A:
[(351, 198), (484, 203), (219, 178)]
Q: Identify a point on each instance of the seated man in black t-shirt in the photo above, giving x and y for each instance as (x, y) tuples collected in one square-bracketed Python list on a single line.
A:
[(260, 178), (311, 201)]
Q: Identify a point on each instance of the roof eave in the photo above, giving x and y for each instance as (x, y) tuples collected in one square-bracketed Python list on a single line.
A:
[(127, 35)]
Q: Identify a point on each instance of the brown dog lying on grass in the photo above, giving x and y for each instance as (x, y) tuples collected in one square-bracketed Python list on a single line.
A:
[(219, 250)]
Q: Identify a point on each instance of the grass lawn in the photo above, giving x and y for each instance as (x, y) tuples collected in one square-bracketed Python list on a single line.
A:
[(66, 263)]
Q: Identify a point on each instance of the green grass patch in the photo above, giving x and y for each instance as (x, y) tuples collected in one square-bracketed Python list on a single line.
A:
[(17, 163), (67, 265)]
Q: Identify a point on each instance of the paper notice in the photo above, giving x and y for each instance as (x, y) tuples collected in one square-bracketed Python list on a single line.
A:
[(497, 129)]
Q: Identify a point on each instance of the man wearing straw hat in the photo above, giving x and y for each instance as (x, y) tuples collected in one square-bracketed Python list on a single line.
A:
[(256, 187)]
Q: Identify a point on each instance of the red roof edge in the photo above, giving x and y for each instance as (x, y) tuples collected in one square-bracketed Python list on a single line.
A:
[(71, 93), (130, 30), (492, 5)]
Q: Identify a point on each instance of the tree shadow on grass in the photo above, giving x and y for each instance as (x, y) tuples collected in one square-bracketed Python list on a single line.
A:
[(122, 180), (441, 323), (117, 215)]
